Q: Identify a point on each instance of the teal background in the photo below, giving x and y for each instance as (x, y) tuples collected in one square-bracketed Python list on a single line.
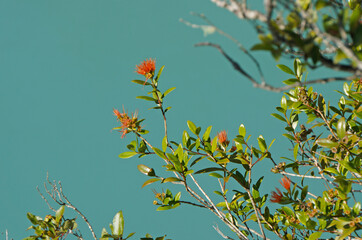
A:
[(66, 64)]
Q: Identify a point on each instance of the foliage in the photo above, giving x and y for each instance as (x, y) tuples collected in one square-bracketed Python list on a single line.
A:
[(325, 138), (324, 33), (326, 149), (51, 227)]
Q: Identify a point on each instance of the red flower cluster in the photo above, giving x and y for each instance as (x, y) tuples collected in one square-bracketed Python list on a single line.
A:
[(127, 122), (276, 197), (285, 183), (147, 68), (222, 137)]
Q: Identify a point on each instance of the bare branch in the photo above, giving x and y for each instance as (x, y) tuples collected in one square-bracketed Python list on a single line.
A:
[(58, 197), (216, 227), (264, 85), (240, 10)]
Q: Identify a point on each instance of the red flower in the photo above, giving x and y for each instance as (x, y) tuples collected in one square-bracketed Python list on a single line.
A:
[(223, 137), (285, 183), (128, 123), (117, 113), (276, 197), (147, 68)]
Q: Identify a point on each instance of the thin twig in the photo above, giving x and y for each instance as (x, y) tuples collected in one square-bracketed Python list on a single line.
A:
[(264, 85), (216, 227)]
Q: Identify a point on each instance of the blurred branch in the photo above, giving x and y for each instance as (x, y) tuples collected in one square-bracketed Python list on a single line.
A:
[(240, 10), (212, 27), (264, 85)]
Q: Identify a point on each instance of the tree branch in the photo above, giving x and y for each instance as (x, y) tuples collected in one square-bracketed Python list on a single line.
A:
[(264, 85)]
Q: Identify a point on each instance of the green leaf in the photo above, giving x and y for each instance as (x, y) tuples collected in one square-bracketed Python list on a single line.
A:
[(163, 208), (129, 235), (214, 144), (341, 128), (315, 236), (357, 208), (242, 131), (141, 82), (325, 142), (192, 127), (295, 151), (168, 91), (207, 133), (33, 219), (276, 115), (346, 233), (331, 170), (304, 193), (127, 154), (159, 153), (214, 174), (291, 81), (298, 67), (146, 170), (206, 170), (164, 143), (285, 69), (288, 211), (159, 74), (262, 144), (59, 214), (118, 224), (150, 181), (283, 103), (289, 136), (171, 179), (147, 98)]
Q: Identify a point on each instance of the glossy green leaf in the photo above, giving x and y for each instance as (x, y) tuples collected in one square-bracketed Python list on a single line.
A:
[(159, 153), (262, 144), (150, 181), (147, 98), (118, 224), (146, 170), (325, 142), (295, 151), (288, 211), (33, 219), (290, 137), (206, 170), (214, 144), (357, 208), (168, 91), (242, 131), (141, 82), (59, 214), (304, 193), (129, 235), (276, 115), (214, 174), (171, 179), (207, 133), (127, 154), (192, 127), (341, 128), (164, 143), (104, 234), (346, 233), (283, 103), (315, 236), (291, 81), (285, 69), (159, 74)]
